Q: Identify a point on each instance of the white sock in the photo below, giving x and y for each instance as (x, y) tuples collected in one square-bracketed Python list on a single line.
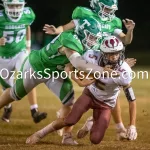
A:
[(34, 106), (120, 126), (8, 106), (89, 123), (46, 130)]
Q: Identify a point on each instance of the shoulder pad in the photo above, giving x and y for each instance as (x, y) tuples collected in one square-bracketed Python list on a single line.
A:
[(117, 22), (82, 12), (29, 14)]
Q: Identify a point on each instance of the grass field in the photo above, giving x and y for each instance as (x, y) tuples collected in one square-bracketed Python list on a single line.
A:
[(14, 134)]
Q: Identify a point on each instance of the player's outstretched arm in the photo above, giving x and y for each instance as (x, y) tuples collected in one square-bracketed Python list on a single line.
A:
[(52, 30), (127, 38), (131, 130)]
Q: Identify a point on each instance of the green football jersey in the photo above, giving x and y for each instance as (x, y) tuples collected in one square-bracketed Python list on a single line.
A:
[(48, 59), (14, 32), (107, 27)]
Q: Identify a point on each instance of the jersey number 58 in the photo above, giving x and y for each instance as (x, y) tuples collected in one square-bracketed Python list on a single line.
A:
[(10, 36)]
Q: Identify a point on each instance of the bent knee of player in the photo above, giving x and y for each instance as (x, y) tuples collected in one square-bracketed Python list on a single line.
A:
[(14, 95), (95, 139), (97, 134), (69, 100), (105, 122)]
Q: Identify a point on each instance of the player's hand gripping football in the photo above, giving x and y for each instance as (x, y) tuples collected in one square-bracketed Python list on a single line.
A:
[(129, 24), (50, 29), (2, 41)]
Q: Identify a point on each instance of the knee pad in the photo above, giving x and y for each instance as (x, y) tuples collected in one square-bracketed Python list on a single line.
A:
[(95, 140), (14, 95), (70, 102), (69, 99), (96, 137)]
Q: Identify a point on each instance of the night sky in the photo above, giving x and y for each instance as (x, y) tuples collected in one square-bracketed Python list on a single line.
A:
[(59, 12)]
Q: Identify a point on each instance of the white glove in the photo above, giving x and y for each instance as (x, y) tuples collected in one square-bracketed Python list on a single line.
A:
[(121, 134), (131, 132)]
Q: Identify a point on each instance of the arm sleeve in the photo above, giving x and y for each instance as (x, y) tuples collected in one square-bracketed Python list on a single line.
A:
[(117, 32), (78, 62), (75, 21)]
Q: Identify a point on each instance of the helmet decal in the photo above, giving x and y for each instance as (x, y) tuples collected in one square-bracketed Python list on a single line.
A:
[(89, 32), (85, 23), (112, 43)]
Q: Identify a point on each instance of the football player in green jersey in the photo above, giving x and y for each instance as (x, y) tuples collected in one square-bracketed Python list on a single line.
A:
[(46, 66), (15, 21), (104, 12)]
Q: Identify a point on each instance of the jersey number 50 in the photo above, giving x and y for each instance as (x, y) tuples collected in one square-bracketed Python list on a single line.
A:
[(10, 36)]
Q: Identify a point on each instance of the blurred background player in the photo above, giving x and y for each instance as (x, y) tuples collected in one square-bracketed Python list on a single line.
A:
[(15, 43), (101, 96)]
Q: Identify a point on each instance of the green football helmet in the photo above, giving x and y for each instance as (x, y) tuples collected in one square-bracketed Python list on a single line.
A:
[(89, 32), (14, 9), (105, 8)]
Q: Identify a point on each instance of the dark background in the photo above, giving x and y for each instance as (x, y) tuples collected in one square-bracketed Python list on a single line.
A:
[(58, 12)]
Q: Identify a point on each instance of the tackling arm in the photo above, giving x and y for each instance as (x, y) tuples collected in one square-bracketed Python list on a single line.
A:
[(73, 74), (78, 62)]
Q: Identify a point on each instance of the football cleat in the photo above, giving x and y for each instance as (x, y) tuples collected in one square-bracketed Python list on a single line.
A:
[(86, 128), (7, 113), (68, 139), (38, 116)]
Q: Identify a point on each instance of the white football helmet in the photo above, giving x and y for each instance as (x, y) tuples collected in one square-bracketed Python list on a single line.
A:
[(112, 45), (14, 9)]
